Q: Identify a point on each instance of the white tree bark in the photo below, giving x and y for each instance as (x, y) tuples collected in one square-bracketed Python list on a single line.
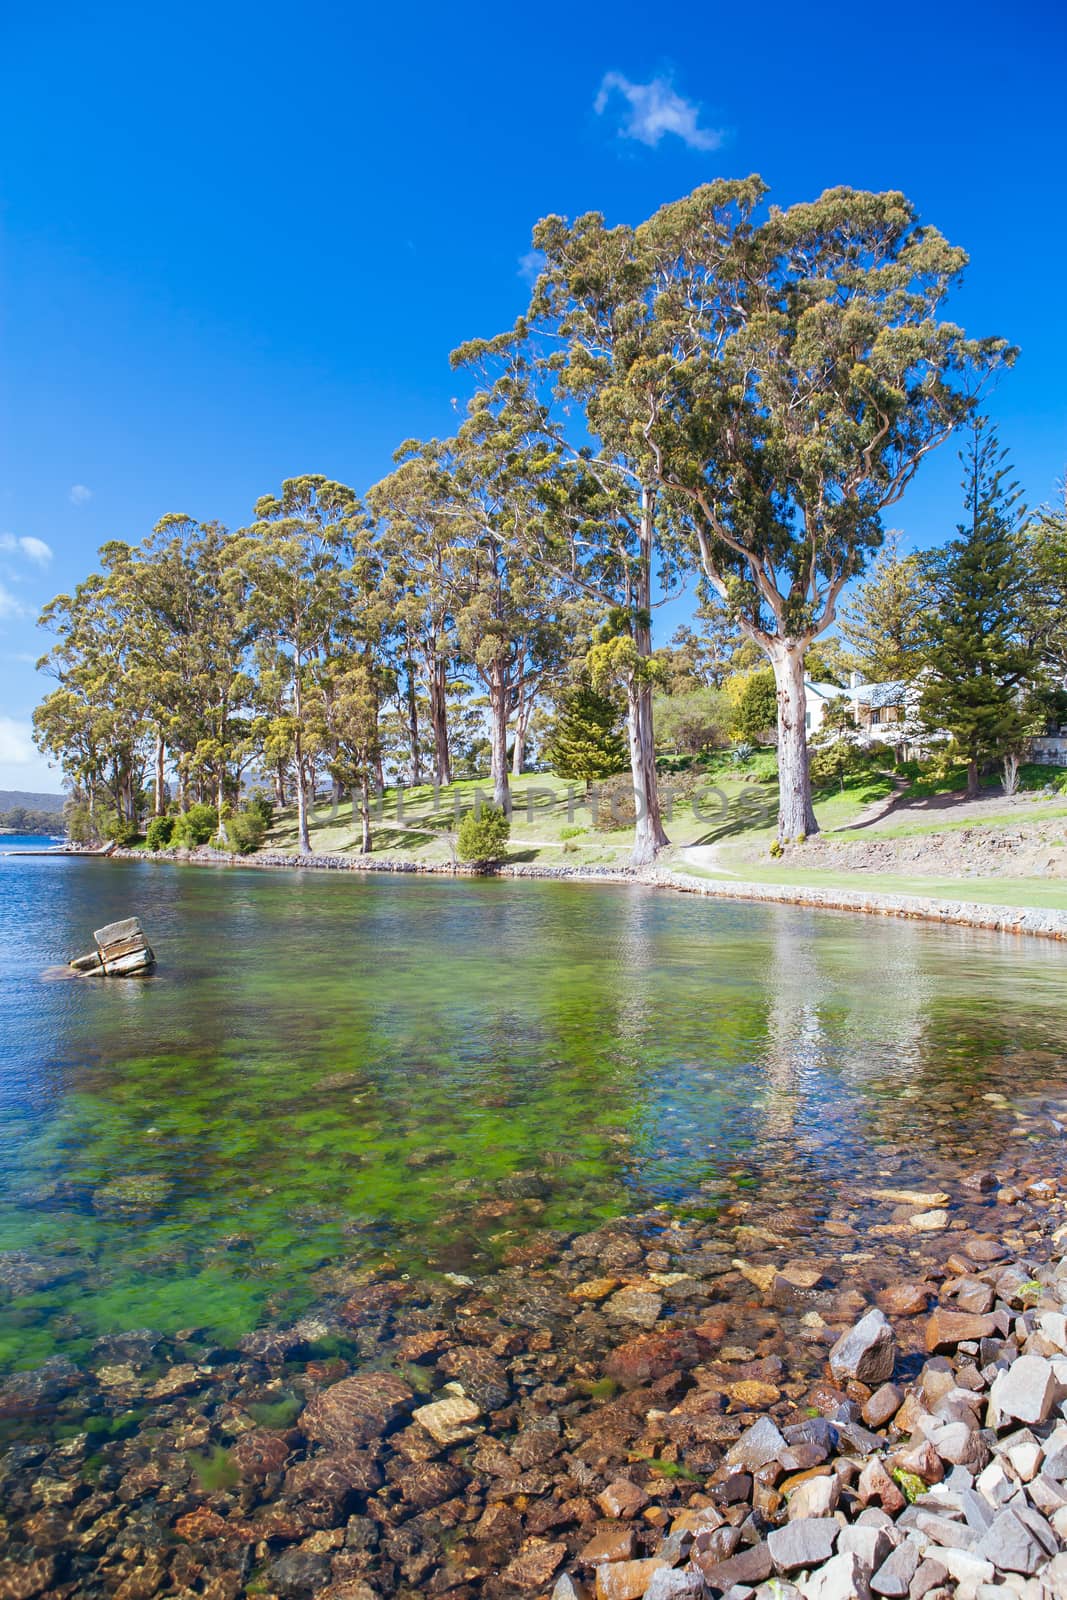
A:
[(796, 816)]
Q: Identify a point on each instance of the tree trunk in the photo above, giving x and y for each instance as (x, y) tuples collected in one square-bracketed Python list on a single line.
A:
[(498, 737), (522, 723), (439, 720), (649, 835), (279, 783), (413, 724), (220, 796), (303, 842), (973, 791), (796, 817), (159, 803), (364, 811)]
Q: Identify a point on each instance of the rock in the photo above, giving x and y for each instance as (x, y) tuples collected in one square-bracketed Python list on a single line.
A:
[(929, 1575), (635, 1305), (947, 1329), (357, 1410), (1010, 1545), (751, 1393), (593, 1289), (569, 1588), (450, 1420), (299, 1574), (482, 1378), (804, 1543), (672, 1583), (867, 1351), (758, 1445), (1027, 1390), (844, 1577), (24, 1580), (626, 1580), (871, 1544), (746, 1567), (652, 1356), (876, 1484), (883, 1405), (972, 1295), (929, 1221), (816, 1497), (334, 1477), (534, 1565), (613, 1543), (893, 1577), (622, 1499), (905, 1299), (259, 1452)]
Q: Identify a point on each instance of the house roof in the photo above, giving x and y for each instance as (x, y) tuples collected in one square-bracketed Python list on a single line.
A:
[(881, 694), (825, 691)]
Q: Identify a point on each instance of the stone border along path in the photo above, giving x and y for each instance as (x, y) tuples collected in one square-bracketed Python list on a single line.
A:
[(1039, 922)]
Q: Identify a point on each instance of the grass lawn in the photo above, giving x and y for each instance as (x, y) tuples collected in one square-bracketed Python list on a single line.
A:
[(1041, 893)]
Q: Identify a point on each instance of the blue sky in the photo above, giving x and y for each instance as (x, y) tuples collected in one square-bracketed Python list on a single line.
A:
[(238, 242)]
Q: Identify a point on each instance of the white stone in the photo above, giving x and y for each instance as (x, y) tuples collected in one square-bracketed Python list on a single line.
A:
[(1024, 1452), (815, 1497), (1028, 1390), (449, 1421), (962, 1565), (929, 1221), (844, 1577)]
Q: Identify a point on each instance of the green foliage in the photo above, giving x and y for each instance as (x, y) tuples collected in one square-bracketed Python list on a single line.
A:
[(977, 652), (616, 805), (160, 832), (79, 823), (245, 831), (742, 753), (755, 706), (263, 806), (196, 826), (694, 721), (888, 617), (572, 832), (483, 835), (110, 825), (586, 741)]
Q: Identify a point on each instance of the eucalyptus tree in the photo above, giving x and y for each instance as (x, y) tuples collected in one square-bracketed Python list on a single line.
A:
[(295, 560), (811, 374), (416, 528), (97, 722)]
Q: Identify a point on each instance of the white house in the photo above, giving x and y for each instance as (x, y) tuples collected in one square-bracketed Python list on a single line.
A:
[(883, 712)]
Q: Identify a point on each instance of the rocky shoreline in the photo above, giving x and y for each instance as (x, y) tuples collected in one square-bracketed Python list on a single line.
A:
[(1036, 922), (859, 1393)]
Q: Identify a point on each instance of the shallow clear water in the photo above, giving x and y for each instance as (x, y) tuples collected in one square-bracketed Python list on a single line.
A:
[(424, 1071)]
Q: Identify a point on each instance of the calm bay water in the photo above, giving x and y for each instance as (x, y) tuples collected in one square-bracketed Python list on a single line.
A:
[(423, 1071)]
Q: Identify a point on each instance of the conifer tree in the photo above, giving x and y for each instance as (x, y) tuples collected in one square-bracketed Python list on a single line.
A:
[(979, 662), (587, 742)]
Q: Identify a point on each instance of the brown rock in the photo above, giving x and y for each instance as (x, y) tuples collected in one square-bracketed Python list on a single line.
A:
[(613, 1542), (652, 1356), (259, 1452), (749, 1566), (946, 1329), (333, 1477), (883, 1404), (876, 1484), (904, 1299), (534, 1565), (622, 1499), (626, 1580), (357, 1410), (752, 1394), (24, 1580)]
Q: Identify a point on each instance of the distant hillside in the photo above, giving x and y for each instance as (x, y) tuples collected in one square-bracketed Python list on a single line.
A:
[(12, 798)]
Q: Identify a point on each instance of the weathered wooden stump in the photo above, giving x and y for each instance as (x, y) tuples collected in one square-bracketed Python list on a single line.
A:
[(122, 951)]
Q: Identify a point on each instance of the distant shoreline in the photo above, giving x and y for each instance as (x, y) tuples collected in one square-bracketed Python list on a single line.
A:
[(1041, 923)]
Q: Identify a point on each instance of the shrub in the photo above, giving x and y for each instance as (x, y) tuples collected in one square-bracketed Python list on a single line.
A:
[(110, 826), (742, 753), (572, 833), (483, 835), (245, 831), (196, 826), (160, 833), (616, 806), (263, 806)]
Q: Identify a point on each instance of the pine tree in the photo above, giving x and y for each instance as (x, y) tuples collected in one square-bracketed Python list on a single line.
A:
[(979, 662), (586, 741), (887, 618)]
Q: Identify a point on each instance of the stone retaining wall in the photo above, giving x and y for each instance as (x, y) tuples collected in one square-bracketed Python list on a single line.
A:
[(1040, 923)]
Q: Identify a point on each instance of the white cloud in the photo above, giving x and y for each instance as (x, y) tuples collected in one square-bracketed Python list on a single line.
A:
[(21, 764), (9, 605), (34, 549), (531, 265), (655, 109), (79, 494)]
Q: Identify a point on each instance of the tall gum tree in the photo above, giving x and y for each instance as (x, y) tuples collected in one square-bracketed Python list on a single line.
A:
[(810, 376), (295, 557), (590, 339)]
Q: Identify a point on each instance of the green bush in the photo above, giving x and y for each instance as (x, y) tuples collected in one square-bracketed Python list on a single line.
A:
[(483, 835), (245, 831), (110, 826), (263, 806), (160, 833), (196, 826), (572, 833)]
